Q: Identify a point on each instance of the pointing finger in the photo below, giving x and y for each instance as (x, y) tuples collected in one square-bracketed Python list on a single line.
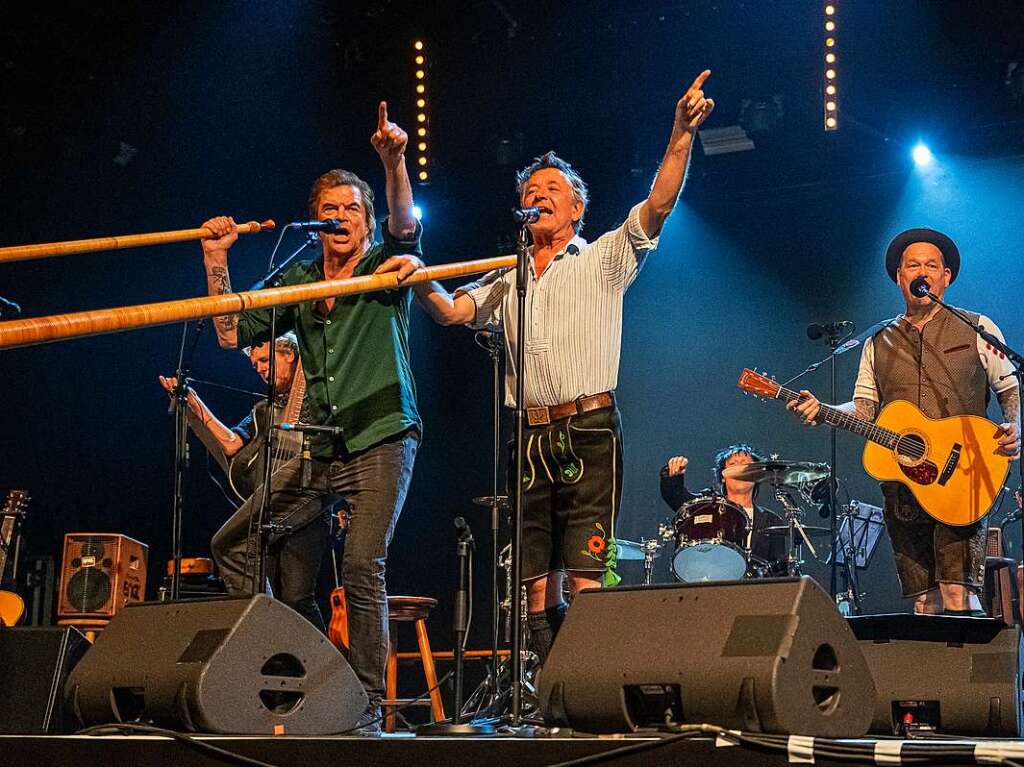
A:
[(700, 79), (382, 116)]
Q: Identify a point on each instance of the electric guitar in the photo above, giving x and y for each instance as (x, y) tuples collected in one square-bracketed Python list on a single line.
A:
[(949, 464), (12, 607)]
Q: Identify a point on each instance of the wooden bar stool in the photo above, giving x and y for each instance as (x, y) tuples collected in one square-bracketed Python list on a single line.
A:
[(416, 610)]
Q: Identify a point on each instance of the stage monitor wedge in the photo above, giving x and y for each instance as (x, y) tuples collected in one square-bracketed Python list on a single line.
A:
[(249, 666), (770, 655)]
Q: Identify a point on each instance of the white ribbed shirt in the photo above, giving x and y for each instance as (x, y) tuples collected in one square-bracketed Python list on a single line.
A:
[(573, 314)]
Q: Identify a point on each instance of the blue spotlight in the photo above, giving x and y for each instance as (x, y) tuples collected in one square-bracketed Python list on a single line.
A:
[(417, 211), (922, 155)]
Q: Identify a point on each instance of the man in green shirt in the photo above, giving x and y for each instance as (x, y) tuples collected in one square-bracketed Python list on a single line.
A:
[(355, 356)]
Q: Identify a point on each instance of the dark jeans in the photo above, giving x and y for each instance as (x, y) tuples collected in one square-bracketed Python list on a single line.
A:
[(373, 484)]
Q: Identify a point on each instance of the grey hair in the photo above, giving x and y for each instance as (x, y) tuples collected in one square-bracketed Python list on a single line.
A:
[(552, 160), (288, 342)]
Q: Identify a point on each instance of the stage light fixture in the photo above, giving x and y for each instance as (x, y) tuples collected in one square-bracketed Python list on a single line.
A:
[(922, 155), (417, 212), (830, 97), (419, 60)]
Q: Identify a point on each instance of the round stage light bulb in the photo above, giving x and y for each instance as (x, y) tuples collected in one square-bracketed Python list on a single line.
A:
[(831, 41), (922, 155), (830, 58), (421, 132), (423, 161), (830, 106), (422, 146), (421, 117), (419, 60), (830, 74), (418, 45), (829, 26), (420, 74), (421, 88), (830, 122), (830, 90), (423, 175), (830, 10), (421, 103)]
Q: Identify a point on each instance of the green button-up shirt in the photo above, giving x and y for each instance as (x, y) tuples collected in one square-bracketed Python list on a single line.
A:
[(356, 358)]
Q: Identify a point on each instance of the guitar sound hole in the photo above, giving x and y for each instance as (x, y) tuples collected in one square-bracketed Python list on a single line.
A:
[(911, 446)]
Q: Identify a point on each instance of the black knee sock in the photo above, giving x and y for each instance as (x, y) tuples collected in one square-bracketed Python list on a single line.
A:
[(543, 629)]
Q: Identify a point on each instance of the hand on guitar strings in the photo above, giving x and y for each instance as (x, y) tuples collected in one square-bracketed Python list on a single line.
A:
[(807, 407)]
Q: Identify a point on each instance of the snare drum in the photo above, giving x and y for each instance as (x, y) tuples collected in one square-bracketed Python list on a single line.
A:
[(711, 537)]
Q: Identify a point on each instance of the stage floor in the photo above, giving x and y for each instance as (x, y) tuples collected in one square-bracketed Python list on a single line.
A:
[(537, 751)]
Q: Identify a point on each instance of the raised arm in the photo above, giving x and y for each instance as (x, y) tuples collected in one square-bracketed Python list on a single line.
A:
[(228, 440), (390, 141), (691, 110), (218, 281)]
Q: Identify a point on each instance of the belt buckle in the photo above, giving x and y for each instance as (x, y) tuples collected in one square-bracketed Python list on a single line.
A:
[(538, 416)]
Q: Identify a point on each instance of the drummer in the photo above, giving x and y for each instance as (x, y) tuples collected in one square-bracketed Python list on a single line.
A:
[(769, 550)]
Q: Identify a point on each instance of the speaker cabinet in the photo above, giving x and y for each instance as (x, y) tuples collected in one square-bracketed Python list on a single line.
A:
[(100, 574), (769, 655), (247, 666), (36, 661), (955, 675)]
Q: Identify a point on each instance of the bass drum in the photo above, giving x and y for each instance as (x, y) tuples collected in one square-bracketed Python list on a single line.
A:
[(711, 537)]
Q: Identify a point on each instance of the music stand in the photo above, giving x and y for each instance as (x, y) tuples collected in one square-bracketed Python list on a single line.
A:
[(859, 533)]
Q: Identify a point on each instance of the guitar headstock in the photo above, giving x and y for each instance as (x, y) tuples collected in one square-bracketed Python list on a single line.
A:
[(760, 385), (16, 503)]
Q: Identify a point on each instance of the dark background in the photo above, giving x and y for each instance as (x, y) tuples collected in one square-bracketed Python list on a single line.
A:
[(235, 107)]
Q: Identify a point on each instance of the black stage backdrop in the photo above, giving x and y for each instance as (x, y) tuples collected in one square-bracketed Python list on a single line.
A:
[(120, 119)]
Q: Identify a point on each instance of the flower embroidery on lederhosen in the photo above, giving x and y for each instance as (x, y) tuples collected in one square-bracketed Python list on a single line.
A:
[(602, 548)]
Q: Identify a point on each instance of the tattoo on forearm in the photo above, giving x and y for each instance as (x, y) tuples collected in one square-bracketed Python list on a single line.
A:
[(865, 408), (1009, 401), (220, 283)]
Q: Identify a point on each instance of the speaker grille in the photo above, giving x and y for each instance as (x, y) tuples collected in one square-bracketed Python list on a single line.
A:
[(88, 590)]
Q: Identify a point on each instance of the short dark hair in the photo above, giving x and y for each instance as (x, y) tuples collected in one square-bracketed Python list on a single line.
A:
[(552, 160), (727, 453), (339, 177)]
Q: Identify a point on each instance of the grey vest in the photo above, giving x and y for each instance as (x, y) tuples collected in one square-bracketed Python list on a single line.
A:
[(938, 369)]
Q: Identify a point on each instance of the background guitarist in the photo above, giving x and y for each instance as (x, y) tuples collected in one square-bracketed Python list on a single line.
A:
[(931, 359), (294, 559)]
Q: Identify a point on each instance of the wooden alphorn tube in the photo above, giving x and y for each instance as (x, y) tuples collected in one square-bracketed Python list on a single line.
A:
[(58, 327), (73, 247)]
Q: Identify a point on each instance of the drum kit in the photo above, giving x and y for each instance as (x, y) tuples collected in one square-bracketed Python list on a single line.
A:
[(712, 535)]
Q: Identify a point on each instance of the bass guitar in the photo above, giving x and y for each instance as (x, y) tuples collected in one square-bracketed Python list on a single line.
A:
[(949, 464), (12, 606)]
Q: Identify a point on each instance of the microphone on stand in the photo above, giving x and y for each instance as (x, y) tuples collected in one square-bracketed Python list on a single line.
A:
[(818, 329), (919, 287), (329, 225), (526, 215)]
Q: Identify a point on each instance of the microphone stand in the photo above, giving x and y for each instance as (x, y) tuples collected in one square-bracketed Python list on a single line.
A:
[(260, 526), (1015, 359), (179, 408), (516, 657)]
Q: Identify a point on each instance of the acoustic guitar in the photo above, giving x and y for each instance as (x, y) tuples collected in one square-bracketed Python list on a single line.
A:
[(12, 607), (949, 464)]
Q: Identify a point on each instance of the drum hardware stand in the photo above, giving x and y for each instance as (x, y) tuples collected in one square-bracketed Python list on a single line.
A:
[(793, 513), (850, 596), (650, 549)]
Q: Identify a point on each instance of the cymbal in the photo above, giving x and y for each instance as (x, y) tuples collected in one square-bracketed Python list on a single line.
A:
[(627, 551), (777, 472), (809, 529), (487, 501)]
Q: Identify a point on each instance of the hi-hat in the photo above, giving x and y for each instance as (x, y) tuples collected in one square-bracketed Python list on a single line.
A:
[(777, 472)]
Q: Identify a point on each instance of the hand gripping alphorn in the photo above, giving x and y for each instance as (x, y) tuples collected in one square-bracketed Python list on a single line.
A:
[(73, 247), (58, 327)]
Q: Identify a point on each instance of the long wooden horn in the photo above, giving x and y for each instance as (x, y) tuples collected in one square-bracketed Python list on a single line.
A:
[(57, 327), (72, 247)]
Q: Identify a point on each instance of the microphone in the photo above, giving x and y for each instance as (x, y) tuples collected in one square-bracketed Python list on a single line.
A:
[(9, 308), (330, 225), (919, 287), (818, 329), (465, 534), (526, 215), (334, 431)]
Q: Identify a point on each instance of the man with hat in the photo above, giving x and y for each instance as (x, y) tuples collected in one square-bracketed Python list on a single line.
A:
[(930, 358)]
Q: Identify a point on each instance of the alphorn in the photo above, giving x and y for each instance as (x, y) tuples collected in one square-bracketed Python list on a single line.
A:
[(73, 247), (58, 327)]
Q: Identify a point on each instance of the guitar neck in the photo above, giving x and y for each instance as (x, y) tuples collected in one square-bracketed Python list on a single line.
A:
[(835, 417)]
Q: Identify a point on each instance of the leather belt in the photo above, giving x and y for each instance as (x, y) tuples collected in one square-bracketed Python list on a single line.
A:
[(545, 414)]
